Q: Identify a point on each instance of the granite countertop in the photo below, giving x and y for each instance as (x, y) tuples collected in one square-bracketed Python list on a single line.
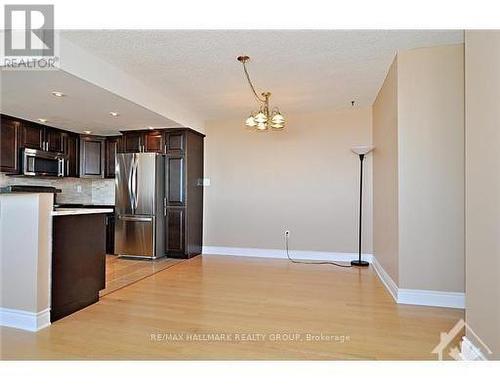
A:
[(87, 205), (28, 189), (80, 211)]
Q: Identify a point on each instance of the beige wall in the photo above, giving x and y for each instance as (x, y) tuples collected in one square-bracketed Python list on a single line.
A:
[(418, 131), (304, 179), (482, 76), (385, 174), (431, 168)]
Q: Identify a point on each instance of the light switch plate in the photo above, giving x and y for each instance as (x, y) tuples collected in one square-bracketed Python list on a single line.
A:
[(203, 181)]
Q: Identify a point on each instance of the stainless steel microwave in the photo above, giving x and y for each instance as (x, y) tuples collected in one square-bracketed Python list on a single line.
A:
[(35, 162)]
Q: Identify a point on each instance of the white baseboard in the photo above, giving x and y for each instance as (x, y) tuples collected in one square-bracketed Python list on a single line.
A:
[(386, 279), (281, 254), (418, 296), (431, 298), (470, 352), (25, 320)]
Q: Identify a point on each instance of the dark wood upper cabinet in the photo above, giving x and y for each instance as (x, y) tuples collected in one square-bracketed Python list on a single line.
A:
[(175, 141), (92, 157), (32, 135), (71, 151), (53, 140), (9, 146), (112, 147), (41, 137), (153, 141), (132, 142)]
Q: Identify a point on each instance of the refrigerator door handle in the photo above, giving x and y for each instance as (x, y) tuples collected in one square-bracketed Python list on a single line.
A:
[(135, 186), (130, 188)]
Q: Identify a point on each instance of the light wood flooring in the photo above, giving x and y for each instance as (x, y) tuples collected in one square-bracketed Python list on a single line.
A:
[(174, 313), (121, 272)]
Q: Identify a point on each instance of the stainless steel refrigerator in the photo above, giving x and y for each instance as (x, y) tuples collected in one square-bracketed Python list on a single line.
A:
[(140, 205)]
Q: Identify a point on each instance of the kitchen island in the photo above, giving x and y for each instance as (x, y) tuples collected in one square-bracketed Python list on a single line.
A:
[(78, 259), (40, 251)]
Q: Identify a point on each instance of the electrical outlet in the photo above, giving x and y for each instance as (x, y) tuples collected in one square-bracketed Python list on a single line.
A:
[(287, 233), (78, 188)]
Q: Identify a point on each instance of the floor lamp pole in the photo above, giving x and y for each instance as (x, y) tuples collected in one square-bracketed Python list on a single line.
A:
[(359, 262)]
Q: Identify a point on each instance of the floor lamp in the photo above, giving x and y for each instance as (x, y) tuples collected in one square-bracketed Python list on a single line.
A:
[(361, 151)]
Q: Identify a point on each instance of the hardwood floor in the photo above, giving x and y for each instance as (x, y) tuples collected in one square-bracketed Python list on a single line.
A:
[(237, 298), (121, 272)]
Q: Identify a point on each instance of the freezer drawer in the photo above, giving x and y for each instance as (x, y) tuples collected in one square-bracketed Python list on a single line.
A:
[(134, 236)]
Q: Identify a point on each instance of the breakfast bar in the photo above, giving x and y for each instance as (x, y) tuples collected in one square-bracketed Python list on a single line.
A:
[(52, 261)]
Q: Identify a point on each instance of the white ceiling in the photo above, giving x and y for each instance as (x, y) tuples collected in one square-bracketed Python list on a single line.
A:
[(27, 94), (305, 70)]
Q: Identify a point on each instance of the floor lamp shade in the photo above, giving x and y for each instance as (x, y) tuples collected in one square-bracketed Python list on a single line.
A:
[(361, 151)]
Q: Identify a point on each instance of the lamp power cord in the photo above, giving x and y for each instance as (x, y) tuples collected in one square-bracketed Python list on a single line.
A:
[(310, 263)]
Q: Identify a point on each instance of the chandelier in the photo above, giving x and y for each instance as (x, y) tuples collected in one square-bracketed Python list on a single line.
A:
[(264, 118)]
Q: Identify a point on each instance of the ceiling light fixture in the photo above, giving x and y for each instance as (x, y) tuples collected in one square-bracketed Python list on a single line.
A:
[(87, 132), (42, 120), (151, 128), (114, 114), (264, 118), (58, 94)]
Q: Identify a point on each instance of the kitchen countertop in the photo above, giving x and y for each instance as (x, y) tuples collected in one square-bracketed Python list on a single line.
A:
[(80, 211), (28, 189)]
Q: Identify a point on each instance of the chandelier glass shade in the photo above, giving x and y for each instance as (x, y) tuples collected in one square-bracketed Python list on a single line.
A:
[(264, 119)]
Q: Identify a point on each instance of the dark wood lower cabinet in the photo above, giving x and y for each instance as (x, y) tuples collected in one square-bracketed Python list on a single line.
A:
[(176, 232), (78, 262)]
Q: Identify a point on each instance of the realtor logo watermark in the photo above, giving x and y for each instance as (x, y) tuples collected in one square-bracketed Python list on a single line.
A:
[(29, 36)]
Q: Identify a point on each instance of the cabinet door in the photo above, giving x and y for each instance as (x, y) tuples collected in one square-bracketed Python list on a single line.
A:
[(9, 146), (132, 142), (111, 150), (31, 136), (175, 231), (153, 141), (91, 157), (175, 181), (54, 140), (72, 155), (175, 142), (110, 234)]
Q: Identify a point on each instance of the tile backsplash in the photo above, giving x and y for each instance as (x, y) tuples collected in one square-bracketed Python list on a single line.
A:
[(74, 190)]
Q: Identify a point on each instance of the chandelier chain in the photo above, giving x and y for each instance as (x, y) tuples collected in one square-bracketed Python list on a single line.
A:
[(260, 100)]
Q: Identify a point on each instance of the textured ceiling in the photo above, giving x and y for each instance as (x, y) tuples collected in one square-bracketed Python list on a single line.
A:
[(305, 70), (27, 94)]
